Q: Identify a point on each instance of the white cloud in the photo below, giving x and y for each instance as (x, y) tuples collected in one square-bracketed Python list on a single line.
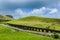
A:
[(33, 12), (20, 12), (39, 11), (44, 10), (36, 11), (53, 11)]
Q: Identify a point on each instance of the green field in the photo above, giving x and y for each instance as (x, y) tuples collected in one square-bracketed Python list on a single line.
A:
[(38, 22), (10, 34)]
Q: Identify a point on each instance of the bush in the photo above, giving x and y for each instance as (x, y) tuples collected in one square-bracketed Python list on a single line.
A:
[(55, 35)]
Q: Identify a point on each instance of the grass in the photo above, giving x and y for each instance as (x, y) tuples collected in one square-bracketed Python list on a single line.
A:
[(4, 18), (10, 34), (38, 22)]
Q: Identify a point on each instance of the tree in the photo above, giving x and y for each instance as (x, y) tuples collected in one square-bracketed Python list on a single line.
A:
[(10, 16)]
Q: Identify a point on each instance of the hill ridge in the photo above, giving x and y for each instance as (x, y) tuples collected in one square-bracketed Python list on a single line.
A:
[(43, 19)]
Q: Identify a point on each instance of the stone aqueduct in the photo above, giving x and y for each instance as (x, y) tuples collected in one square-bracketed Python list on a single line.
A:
[(35, 28)]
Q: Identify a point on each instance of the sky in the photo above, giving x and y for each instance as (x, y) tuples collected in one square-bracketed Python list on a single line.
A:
[(24, 8)]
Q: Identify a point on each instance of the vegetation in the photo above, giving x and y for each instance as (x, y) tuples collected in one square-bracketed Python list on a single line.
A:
[(56, 36), (11, 34), (9, 16), (38, 22), (4, 18)]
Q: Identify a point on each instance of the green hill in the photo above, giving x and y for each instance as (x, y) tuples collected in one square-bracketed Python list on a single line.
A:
[(38, 22), (42, 19), (5, 18)]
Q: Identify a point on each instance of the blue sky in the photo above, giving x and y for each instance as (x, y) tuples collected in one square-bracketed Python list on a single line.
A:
[(23, 8)]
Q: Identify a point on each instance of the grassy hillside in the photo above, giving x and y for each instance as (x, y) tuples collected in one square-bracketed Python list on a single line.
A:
[(4, 18), (10, 34), (42, 19), (38, 22)]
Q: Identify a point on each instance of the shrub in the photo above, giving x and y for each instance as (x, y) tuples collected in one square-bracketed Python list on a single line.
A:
[(55, 35)]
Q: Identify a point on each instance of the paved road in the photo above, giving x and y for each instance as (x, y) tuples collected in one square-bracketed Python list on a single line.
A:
[(35, 32)]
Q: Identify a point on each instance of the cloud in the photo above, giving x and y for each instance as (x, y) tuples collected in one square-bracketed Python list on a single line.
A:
[(53, 11), (29, 4), (33, 12), (43, 10), (35, 7), (39, 11), (20, 12), (14, 4)]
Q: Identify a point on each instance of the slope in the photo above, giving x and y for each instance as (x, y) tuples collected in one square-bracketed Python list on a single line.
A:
[(11, 34), (38, 22)]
